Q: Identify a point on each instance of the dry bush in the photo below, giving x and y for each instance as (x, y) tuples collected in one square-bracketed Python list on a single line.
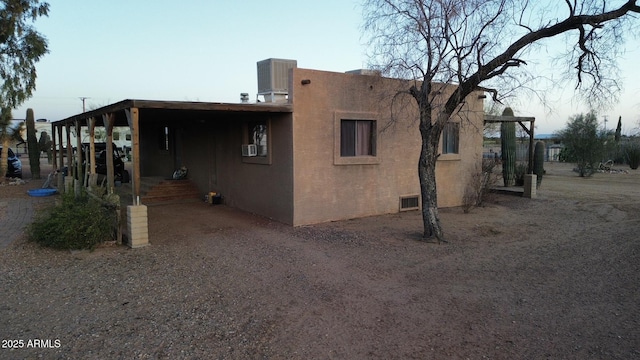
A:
[(479, 185)]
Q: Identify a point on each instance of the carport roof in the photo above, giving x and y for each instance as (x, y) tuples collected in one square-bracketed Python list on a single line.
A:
[(185, 108)]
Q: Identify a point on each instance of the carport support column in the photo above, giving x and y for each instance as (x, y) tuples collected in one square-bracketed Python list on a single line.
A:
[(79, 182), (137, 224), (68, 180), (108, 120), (93, 178), (60, 160), (134, 128), (137, 218), (530, 186)]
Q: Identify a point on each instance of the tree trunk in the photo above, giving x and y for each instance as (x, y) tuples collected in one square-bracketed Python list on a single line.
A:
[(427, 173), (4, 157)]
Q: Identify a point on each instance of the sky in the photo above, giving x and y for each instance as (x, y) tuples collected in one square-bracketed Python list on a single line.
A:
[(207, 50)]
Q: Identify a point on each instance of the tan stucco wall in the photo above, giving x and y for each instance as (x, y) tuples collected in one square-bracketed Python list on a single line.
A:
[(264, 189), (327, 187)]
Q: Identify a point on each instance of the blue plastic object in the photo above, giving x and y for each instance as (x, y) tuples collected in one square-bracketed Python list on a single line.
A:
[(41, 192)]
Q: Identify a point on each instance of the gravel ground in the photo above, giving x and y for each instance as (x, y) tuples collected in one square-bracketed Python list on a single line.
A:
[(556, 277)]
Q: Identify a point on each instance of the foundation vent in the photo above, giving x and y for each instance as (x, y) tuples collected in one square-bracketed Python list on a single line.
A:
[(409, 202)]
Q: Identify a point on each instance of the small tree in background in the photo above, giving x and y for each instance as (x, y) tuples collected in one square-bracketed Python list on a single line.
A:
[(584, 145)]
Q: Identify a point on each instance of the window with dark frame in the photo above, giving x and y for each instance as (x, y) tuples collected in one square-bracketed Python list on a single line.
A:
[(357, 138), (258, 136), (451, 138)]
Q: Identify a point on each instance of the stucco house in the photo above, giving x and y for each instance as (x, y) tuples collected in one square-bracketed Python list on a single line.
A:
[(321, 146)]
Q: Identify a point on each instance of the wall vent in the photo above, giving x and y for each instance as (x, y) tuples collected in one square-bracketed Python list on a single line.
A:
[(409, 202)]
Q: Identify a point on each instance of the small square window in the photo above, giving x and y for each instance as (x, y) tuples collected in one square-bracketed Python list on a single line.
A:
[(357, 138)]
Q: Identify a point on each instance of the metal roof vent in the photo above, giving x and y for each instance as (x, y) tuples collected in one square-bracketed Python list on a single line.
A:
[(273, 79)]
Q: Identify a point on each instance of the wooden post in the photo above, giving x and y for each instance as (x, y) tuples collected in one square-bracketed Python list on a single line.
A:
[(91, 123), (93, 179), (133, 119), (61, 160), (108, 120), (70, 169), (53, 148), (531, 145), (79, 172), (137, 217)]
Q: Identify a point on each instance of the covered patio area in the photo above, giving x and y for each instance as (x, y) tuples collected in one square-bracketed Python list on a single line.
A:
[(165, 135)]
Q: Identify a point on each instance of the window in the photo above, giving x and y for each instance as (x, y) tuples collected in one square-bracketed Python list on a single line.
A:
[(357, 138), (258, 132), (258, 136), (451, 138)]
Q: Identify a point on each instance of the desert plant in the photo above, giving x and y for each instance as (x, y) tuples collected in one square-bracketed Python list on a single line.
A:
[(584, 145), (479, 185), (632, 152), (44, 144), (508, 147), (520, 170), (32, 145), (538, 162), (75, 223)]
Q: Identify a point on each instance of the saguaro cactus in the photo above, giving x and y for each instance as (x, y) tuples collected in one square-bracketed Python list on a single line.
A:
[(538, 162), (32, 145), (508, 147)]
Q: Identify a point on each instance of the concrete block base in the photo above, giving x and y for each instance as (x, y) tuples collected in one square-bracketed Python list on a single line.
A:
[(137, 226), (530, 186)]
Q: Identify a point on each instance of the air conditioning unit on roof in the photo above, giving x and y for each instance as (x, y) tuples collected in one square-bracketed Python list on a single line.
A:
[(249, 150)]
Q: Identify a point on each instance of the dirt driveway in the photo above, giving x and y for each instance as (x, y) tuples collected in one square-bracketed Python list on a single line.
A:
[(557, 277)]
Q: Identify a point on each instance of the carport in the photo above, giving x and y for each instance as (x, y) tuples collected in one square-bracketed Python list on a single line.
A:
[(132, 114)]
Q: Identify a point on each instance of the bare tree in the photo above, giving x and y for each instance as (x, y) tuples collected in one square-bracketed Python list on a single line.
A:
[(482, 45)]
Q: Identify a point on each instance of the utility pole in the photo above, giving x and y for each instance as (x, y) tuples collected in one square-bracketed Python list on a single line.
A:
[(83, 99), (605, 123)]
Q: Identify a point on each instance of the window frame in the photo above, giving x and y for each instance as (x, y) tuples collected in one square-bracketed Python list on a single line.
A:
[(356, 141), (338, 159), (259, 159), (444, 156)]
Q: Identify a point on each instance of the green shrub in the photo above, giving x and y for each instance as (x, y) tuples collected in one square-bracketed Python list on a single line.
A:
[(632, 151), (75, 223), (520, 171)]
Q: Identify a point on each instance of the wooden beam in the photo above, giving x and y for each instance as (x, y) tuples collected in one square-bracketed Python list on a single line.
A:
[(494, 119), (133, 119), (524, 128)]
